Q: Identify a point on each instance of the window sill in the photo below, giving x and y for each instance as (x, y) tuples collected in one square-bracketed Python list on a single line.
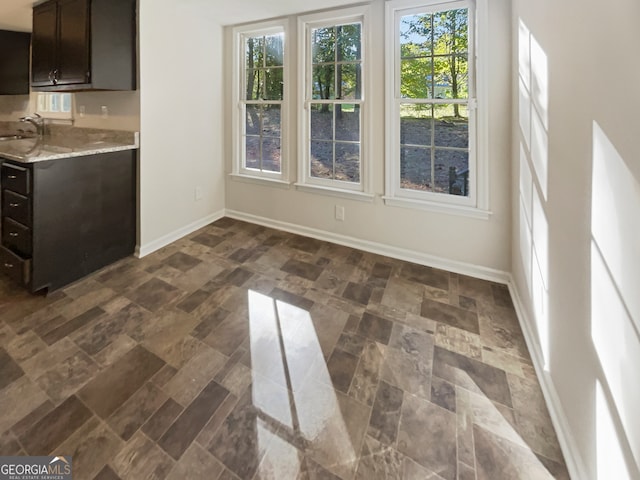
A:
[(335, 192), (267, 182), (459, 210)]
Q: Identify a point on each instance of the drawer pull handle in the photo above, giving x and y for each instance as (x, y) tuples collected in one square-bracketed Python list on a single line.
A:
[(13, 234), (8, 265), (11, 177), (14, 205)]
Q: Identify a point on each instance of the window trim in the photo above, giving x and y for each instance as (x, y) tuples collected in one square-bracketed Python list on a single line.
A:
[(305, 24), (477, 204), (240, 33), (59, 115)]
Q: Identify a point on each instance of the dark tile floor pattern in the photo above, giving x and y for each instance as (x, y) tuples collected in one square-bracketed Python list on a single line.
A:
[(245, 352)]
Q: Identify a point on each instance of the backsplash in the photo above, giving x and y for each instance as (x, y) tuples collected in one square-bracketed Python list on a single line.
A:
[(73, 133), (13, 107), (123, 109)]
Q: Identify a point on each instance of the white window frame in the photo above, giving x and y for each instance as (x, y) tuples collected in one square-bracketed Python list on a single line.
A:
[(45, 100), (477, 203), (239, 172), (306, 23)]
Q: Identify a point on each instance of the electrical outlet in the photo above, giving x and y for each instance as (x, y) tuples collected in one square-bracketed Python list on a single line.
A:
[(198, 193), (82, 110), (340, 213), (105, 111)]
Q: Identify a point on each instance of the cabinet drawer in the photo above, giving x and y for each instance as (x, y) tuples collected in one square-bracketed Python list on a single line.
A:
[(19, 269), (16, 206), (16, 236), (15, 178)]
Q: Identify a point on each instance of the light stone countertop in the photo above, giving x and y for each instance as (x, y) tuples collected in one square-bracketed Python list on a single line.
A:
[(64, 142)]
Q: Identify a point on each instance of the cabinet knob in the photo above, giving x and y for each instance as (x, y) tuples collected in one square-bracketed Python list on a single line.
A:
[(55, 76), (8, 265), (13, 234), (11, 177), (14, 205)]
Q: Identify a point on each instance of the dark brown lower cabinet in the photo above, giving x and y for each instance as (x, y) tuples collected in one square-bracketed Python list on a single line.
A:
[(63, 219)]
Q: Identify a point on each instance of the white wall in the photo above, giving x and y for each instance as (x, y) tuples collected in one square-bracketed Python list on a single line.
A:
[(576, 230), (181, 119), (433, 237)]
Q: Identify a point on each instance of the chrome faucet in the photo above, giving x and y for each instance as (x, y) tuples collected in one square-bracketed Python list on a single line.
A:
[(35, 120)]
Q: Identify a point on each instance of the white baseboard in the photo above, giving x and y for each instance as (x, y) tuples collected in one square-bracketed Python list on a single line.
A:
[(378, 248), (144, 250), (572, 456)]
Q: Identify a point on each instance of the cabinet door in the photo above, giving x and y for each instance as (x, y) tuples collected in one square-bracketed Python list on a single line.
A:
[(14, 63), (73, 42), (44, 39)]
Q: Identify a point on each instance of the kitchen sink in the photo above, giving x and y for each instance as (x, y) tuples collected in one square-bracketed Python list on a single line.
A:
[(14, 137)]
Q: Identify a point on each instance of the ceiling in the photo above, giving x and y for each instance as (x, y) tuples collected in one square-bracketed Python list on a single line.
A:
[(16, 14), (231, 12)]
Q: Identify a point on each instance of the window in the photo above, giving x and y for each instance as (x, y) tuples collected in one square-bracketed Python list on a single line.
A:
[(55, 105), (333, 91), (260, 90), (431, 104)]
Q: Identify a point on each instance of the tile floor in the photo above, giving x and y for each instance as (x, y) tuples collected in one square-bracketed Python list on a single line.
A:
[(245, 352)]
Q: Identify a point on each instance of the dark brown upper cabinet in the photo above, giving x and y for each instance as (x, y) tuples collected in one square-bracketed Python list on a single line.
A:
[(84, 45), (14, 62)]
